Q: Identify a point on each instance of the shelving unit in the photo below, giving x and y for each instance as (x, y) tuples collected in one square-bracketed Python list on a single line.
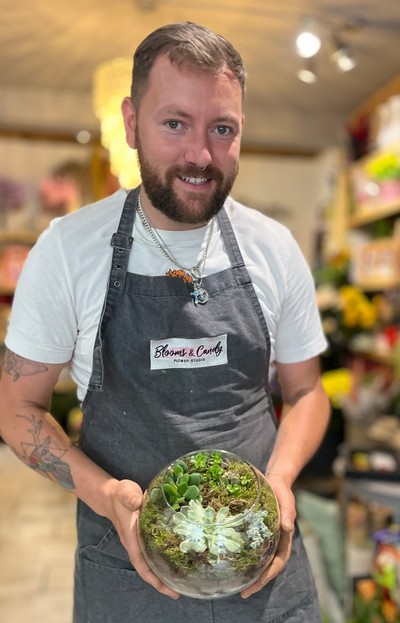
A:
[(371, 489), (375, 258)]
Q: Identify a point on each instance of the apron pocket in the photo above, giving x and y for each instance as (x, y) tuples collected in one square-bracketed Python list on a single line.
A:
[(105, 582), (108, 551), (108, 593), (111, 595)]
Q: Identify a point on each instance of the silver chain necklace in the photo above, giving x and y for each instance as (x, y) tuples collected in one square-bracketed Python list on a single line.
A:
[(200, 295)]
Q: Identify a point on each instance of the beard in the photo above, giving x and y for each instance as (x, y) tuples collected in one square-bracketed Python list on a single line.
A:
[(163, 197)]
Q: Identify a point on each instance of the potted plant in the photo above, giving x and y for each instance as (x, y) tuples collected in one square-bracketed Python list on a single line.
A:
[(209, 524)]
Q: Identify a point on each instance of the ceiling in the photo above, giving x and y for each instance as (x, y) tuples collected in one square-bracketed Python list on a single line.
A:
[(56, 45)]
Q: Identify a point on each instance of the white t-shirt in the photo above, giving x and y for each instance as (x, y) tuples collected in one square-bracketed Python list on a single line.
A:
[(60, 293)]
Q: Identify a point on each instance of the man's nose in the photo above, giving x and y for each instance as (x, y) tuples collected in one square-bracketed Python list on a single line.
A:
[(198, 150)]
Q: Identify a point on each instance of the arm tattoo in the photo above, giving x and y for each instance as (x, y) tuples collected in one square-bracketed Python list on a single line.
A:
[(19, 366), (44, 456)]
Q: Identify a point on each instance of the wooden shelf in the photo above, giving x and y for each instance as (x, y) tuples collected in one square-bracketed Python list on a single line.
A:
[(370, 213), (378, 285), (19, 237)]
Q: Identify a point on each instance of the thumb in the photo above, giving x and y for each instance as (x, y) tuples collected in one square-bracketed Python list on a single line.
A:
[(129, 494)]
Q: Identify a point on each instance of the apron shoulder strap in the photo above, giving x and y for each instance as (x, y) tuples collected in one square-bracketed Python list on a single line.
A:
[(121, 241)]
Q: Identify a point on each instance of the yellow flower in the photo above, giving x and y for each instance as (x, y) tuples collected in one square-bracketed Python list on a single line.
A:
[(337, 384), (368, 316), (385, 166), (357, 309)]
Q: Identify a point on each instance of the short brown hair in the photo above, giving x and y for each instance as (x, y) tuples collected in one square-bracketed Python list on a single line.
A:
[(185, 43)]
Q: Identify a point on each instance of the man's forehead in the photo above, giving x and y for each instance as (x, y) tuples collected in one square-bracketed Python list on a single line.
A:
[(188, 66)]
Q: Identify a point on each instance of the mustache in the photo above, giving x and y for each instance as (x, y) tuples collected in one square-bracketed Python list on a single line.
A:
[(210, 172)]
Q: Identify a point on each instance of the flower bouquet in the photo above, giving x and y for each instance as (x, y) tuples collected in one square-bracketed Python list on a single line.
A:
[(209, 524)]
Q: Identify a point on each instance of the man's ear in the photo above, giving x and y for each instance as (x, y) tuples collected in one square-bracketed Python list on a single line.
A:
[(129, 115)]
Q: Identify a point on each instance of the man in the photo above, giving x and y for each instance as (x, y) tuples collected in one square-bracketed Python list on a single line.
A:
[(116, 287)]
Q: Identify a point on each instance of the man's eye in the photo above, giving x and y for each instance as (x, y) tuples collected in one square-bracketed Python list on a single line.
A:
[(223, 130), (174, 125)]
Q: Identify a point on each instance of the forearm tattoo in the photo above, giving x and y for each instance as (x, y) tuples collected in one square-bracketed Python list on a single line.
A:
[(17, 366), (43, 456)]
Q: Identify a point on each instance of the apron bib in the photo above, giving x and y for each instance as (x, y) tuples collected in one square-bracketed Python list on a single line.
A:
[(170, 377)]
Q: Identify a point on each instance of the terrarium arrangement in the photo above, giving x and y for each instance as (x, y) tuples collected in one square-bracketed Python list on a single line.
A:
[(209, 524)]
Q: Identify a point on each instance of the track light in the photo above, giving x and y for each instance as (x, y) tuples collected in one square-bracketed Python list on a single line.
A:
[(341, 55), (308, 41), (307, 72)]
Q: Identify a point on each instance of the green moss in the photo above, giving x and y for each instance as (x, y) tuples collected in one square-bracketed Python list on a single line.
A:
[(158, 538), (267, 501), (246, 561), (217, 494)]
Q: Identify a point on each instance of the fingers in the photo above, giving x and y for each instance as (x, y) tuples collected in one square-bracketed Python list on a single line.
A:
[(129, 494), (128, 498), (278, 563)]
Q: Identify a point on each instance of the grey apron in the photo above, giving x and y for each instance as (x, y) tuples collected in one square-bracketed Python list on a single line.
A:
[(140, 415)]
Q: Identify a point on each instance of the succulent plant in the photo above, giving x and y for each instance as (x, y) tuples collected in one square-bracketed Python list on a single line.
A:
[(179, 487), (203, 528), (257, 531)]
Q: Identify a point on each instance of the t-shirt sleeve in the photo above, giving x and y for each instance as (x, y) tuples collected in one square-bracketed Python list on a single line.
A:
[(299, 333), (43, 324)]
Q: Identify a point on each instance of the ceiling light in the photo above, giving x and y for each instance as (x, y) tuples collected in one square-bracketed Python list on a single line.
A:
[(308, 41), (307, 73), (83, 137), (342, 56)]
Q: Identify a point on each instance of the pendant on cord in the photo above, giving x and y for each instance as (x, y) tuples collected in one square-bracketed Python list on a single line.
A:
[(200, 295)]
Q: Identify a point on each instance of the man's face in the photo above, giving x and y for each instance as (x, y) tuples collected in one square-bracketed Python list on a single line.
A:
[(187, 120)]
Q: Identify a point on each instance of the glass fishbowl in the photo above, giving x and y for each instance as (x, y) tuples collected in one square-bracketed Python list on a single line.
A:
[(209, 524)]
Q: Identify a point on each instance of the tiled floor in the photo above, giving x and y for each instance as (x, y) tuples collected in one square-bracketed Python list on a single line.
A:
[(37, 543)]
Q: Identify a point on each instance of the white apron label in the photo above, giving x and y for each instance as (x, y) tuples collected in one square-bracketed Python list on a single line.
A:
[(185, 353)]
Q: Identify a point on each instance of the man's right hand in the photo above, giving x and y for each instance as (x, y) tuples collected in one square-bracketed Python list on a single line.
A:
[(126, 500)]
